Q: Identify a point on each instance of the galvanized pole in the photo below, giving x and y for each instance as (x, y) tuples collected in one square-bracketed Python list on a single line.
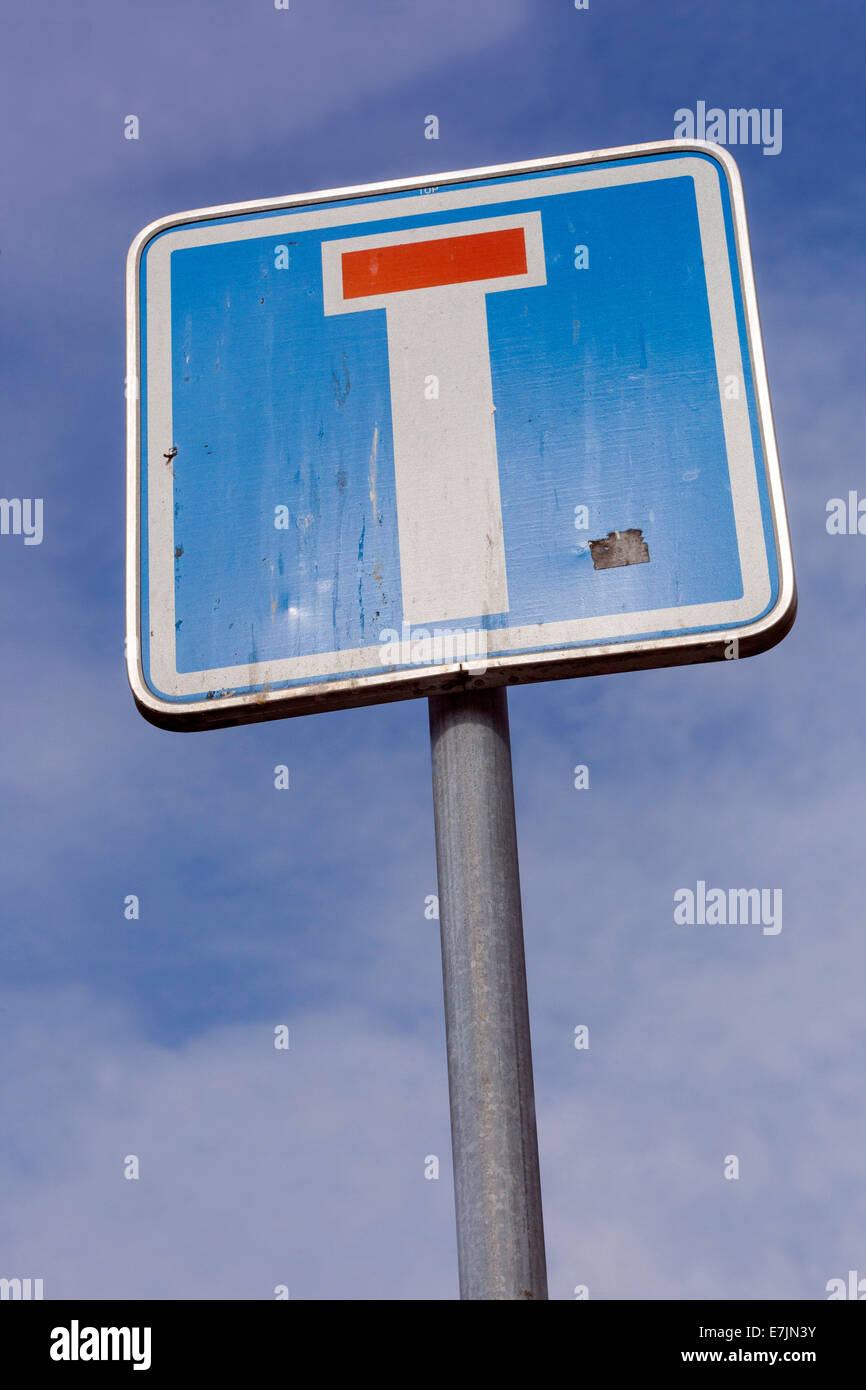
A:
[(500, 1234)]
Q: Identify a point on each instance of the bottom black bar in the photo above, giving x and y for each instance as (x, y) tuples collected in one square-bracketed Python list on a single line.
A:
[(159, 1339)]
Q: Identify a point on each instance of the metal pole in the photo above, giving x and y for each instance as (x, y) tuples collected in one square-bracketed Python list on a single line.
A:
[(500, 1233)]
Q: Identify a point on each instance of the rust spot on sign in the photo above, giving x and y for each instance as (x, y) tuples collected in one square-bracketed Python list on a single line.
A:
[(619, 548)]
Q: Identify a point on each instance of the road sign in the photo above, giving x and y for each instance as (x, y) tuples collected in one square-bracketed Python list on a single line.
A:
[(509, 424)]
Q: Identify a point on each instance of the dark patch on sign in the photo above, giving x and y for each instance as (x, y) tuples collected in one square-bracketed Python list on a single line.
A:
[(619, 548), (342, 388)]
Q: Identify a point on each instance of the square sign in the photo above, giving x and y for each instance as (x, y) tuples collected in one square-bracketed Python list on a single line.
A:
[(512, 424)]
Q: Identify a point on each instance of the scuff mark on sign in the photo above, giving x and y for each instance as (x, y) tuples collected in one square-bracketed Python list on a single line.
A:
[(374, 458), (619, 548)]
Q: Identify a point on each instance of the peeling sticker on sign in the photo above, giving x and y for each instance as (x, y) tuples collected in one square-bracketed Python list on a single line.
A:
[(619, 548)]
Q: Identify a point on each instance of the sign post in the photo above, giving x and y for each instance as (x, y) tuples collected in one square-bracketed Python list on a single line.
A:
[(500, 1233), (433, 438)]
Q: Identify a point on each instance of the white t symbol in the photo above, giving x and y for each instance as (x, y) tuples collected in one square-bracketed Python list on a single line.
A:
[(433, 283)]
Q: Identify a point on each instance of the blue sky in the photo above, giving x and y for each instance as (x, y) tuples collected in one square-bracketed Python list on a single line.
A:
[(306, 907)]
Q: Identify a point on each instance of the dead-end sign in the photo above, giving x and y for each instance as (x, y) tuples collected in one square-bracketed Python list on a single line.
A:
[(371, 456)]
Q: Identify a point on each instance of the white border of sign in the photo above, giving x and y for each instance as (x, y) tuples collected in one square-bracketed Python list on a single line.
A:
[(504, 669)]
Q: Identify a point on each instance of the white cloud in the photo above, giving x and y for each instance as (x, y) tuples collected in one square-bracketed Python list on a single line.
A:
[(189, 72), (258, 1167)]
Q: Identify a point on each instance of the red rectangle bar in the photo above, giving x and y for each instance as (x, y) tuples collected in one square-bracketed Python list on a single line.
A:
[(419, 265)]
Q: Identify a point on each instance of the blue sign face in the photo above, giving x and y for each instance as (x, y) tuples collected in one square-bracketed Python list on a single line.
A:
[(511, 426)]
